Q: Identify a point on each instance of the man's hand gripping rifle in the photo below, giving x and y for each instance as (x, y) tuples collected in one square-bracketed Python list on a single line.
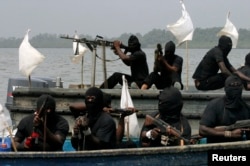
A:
[(243, 125), (165, 128)]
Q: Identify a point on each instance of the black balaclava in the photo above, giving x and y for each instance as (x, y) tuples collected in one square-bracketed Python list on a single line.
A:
[(169, 51), (133, 44), (47, 102), (233, 89), (225, 43), (170, 104), (94, 107), (247, 60)]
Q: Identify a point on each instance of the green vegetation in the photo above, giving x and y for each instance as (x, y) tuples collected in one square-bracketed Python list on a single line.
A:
[(202, 38)]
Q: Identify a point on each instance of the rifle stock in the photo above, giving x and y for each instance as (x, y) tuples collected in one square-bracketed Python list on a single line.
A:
[(165, 128)]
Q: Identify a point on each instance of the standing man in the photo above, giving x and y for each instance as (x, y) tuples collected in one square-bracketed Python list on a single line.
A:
[(44, 130), (225, 111), (167, 69), (96, 129), (206, 76), (137, 61)]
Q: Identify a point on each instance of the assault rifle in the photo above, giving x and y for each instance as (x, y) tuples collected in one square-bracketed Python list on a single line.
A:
[(165, 128), (118, 112), (240, 124)]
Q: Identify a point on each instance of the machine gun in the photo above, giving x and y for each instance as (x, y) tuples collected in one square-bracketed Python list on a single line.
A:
[(97, 42), (165, 128)]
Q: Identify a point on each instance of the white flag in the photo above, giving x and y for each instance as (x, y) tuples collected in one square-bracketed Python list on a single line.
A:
[(5, 120), (183, 29), (29, 57), (79, 50), (230, 31), (126, 102)]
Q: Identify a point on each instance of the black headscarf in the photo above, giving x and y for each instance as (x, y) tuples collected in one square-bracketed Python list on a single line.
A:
[(225, 44), (133, 44), (233, 89), (170, 104)]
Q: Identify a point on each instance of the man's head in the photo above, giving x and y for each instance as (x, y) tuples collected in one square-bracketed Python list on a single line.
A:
[(94, 101), (233, 89), (46, 103), (133, 44), (169, 49), (247, 59), (170, 103), (225, 43)]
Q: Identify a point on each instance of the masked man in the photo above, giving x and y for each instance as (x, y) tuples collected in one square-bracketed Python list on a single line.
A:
[(44, 130), (137, 61), (170, 106), (96, 129), (225, 111), (167, 69)]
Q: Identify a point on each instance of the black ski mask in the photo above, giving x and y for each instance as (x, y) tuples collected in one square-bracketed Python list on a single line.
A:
[(170, 104), (45, 103), (169, 51), (233, 89), (225, 43), (133, 44), (95, 105), (247, 60)]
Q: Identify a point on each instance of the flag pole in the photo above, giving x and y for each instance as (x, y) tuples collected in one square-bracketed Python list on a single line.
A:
[(187, 60)]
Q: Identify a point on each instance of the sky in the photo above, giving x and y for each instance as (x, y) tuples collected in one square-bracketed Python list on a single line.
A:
[(111, 18)]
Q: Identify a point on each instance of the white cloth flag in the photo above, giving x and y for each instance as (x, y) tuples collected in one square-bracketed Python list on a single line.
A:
[(5, 120), (230, 31), (29, 57), (126, 102), (78, 53), (183, 29)]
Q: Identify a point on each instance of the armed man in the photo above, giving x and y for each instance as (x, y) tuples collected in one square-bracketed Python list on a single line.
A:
[(166, 127)]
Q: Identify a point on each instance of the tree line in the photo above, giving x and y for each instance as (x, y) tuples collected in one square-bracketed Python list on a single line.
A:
[(202, 38)]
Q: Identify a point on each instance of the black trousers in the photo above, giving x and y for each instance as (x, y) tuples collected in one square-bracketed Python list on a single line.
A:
[(117, 78), (212, 83)]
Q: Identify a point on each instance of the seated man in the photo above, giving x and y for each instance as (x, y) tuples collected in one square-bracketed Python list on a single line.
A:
[(246, 71), (79, 108), (170, 106), (225, 111), (206, 75), (167, 69), (96, 129), (30, 131)]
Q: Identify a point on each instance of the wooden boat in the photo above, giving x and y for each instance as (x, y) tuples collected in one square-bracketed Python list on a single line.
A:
[(146, 101), (176, 155)]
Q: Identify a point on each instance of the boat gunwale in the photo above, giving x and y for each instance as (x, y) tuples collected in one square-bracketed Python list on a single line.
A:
[(132, 151)]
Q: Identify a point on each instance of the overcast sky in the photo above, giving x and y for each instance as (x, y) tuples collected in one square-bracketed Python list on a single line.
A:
[(111, 18)]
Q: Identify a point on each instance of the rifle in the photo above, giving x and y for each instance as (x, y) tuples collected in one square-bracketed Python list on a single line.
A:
[(119, 112), (243, 124), (165, 128)]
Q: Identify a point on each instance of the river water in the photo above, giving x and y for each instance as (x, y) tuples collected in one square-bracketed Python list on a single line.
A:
[(58, 64)]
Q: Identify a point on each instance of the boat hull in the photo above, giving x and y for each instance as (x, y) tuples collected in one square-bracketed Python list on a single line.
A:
[(176, 155)]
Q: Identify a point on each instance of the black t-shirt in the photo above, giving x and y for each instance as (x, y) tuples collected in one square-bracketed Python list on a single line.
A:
[(245, 70), (59, 125), (215, 114), (139, 65), (209, 64)]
